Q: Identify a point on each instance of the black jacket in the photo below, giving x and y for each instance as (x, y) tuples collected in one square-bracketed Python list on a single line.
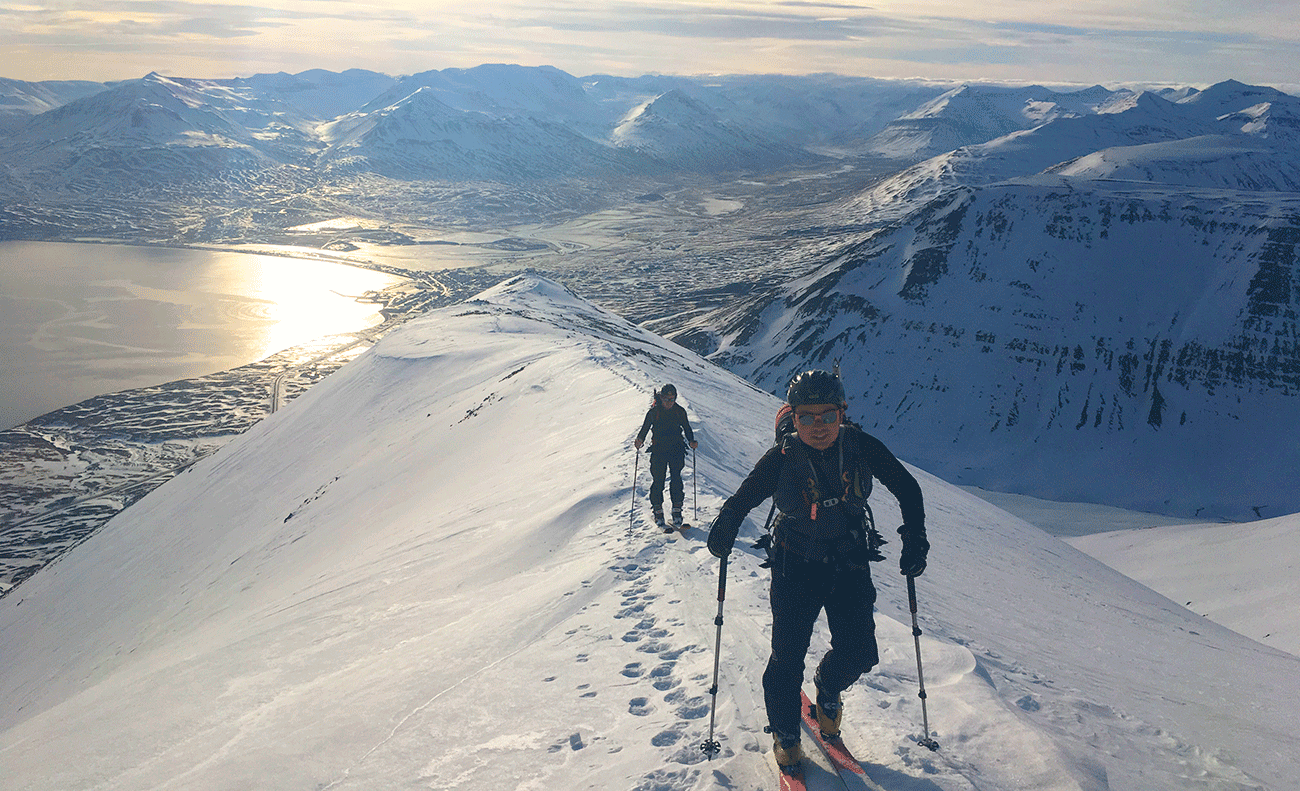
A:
[(821, 495), (668, 426)]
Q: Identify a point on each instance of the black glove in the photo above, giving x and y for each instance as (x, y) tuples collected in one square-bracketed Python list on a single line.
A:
[(722, 533), (911, 562)]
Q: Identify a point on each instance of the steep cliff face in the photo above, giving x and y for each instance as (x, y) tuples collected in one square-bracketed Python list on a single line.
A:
[(1137, 344)]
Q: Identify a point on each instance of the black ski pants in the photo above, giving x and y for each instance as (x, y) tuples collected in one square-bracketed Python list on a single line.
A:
[(801, 589), (662, 463)]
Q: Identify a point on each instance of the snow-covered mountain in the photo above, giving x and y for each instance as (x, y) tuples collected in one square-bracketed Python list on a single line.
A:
[(677, 129), (1101, 293), (818, 112), (1232, 135), (423, 572), (1133, 346), (1233, 162), (20, 100), (420, 137), (973, 114), (319, 94), (173, 129), (155, 130), (504, 91)]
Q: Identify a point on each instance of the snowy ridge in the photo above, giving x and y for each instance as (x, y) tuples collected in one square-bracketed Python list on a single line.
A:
[(423, 572), (502, 90), (1210, 161), (1042, 336)]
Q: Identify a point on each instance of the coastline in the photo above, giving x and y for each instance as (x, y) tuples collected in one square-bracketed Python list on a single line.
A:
[(66, 473)]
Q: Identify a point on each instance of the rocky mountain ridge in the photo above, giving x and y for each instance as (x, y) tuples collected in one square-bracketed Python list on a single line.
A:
[(1131, 345)]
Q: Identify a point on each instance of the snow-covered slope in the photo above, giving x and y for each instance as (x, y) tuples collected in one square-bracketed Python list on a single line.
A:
[(812, 111), (1252, 589), (1135, 347), (423, 573), (1233, 162)]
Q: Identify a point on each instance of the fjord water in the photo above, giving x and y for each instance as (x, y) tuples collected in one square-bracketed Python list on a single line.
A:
[(79, 320)]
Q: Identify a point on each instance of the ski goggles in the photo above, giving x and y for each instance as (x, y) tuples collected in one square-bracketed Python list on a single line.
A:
[(826, 418)]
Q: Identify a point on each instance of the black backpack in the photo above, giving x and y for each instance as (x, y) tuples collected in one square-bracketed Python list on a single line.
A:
[(784, 434)]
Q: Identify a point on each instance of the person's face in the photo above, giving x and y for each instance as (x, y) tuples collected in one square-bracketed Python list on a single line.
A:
[(818, 424), (668, 400)]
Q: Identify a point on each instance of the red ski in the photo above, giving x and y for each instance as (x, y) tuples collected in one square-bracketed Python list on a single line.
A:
[(791, 781), (851, 771)]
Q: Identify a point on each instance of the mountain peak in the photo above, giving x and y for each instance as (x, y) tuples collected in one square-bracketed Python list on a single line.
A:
[(1231, 95)]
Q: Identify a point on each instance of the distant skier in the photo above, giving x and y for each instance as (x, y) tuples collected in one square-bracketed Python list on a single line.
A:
[(668, 420), (819, 476)]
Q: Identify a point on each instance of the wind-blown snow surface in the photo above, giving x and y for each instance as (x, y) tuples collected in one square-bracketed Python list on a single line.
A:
[(422, 573)]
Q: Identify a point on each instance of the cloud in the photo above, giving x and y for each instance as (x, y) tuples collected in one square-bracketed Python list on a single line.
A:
[(1193, 41)]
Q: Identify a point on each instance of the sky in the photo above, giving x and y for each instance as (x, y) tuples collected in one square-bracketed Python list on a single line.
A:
[(1084, 41)]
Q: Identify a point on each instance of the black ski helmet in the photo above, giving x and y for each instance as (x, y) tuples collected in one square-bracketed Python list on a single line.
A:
[(668, 390), (815, 387)]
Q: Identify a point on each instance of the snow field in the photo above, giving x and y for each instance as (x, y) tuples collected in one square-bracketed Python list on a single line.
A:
[(1252, 589)]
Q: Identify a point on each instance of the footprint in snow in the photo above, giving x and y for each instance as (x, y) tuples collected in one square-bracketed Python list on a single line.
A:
[(639, 707), (633, 670)]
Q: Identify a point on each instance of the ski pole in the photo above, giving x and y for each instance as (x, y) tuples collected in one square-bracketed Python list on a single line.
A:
[(631, 516), (695, 489), (711, 746), (925, 740)]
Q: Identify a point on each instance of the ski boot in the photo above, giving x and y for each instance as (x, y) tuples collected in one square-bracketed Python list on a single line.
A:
[(658, 511), (677, 517), (829, 710), (788, 753)]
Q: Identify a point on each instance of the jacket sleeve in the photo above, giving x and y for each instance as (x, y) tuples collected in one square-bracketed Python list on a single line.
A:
[(760, 485), (900, 483), (686, 425), (645, 425)]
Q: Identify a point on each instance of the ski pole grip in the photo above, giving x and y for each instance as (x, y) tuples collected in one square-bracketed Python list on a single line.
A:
[(911, 593), (722, 580)]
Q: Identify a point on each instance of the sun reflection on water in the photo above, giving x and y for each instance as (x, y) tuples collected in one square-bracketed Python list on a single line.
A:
[(80, 320), (302, 305)]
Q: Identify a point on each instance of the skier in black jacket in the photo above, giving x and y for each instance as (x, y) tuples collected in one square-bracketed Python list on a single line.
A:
[(668, 420), (820, 480)]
